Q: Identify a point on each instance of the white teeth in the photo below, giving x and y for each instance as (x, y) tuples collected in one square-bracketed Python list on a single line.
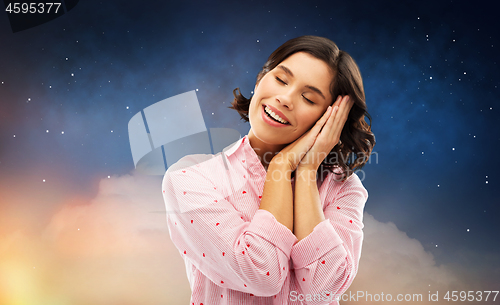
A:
[(275, 116)]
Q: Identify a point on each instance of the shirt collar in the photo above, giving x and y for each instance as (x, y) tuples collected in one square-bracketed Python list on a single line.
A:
[(236, 146), (243, 150)]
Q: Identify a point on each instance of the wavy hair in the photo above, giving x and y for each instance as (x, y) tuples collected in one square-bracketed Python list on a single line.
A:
[(356, 139)]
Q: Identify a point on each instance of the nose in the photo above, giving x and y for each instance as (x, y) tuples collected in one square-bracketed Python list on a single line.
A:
[(285, 100)]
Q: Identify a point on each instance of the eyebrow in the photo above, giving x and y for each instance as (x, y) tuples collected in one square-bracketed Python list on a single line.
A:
[(289, 72)]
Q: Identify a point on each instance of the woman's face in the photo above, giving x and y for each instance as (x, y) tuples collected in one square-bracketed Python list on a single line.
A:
[(298, 91)]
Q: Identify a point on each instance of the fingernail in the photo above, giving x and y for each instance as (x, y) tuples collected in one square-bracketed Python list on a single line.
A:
[(329, 107), (335, 108)]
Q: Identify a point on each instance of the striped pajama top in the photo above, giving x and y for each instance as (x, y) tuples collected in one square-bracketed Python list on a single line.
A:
[(236, 253)]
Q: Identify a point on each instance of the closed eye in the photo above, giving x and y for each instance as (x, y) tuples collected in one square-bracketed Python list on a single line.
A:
[(280, 80), (308, 100)]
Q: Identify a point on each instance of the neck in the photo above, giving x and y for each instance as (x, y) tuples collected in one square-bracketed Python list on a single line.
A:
[(265, 151)]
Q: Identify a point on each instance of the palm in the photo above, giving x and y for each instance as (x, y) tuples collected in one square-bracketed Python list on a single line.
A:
[(328, 136), (313, 146)]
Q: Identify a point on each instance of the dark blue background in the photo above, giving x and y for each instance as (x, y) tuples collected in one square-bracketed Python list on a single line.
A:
[(430, 71)]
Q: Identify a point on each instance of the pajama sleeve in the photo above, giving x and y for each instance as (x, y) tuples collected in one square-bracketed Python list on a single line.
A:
[(326, 261), (247, 255)]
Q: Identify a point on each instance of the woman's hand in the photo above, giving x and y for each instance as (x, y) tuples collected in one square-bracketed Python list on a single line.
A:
[(292, 154), (329, 135)]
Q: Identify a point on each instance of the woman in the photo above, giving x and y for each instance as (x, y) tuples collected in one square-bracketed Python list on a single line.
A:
[(277, 217)]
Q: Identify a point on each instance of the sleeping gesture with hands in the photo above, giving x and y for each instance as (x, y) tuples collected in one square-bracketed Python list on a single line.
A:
[(309, 150), (305, 156)]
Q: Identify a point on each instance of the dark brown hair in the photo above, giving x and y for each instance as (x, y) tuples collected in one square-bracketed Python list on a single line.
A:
[(356, 140)]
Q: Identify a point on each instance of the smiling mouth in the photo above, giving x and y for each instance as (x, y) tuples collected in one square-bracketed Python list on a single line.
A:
[(274, 116)]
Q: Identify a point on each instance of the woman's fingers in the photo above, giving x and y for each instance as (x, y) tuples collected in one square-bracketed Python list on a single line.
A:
[(339, 121), (337, 101), (313, 133), (325, 134), (333, 127), (322, 134), (330, 127), (324, 118), (343, 113)]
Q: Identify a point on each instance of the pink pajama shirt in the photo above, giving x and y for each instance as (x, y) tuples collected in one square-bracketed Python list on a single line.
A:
[(236, 253)]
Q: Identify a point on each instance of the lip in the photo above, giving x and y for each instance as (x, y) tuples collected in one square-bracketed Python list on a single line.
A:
[(278, 113), (270, 121)]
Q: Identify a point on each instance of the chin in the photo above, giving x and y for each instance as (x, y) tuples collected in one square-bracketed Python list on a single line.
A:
[(268, 134), (273, 139)]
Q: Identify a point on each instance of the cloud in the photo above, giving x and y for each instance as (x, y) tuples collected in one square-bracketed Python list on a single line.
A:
[(115, 249), (393, 263), (123, 217)]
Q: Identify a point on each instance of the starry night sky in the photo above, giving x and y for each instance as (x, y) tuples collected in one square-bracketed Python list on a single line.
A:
[(430, 68)]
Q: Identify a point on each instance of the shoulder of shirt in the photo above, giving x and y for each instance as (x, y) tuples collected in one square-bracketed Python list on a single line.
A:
[(352, 183), (190, 161)]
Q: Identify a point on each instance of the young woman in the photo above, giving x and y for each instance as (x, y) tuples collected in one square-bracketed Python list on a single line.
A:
[(277, 217)]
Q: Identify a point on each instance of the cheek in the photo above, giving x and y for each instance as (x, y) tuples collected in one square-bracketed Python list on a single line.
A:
[(309, 118), (253, 104), (253, 108), (266, 86)]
